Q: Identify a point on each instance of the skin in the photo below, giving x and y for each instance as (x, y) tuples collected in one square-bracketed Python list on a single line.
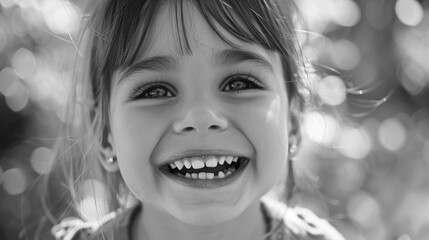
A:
[(199, 114)]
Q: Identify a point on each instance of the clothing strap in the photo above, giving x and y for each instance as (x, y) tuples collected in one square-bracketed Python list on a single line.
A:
[(72, 227)]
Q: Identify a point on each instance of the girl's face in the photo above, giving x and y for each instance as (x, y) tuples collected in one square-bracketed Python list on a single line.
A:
[(200, 109)]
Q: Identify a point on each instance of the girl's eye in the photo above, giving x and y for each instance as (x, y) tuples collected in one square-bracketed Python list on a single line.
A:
[(153, 90), (241, 82)]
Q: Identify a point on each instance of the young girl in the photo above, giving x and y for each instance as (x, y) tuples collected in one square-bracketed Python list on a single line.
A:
[(194, 109)]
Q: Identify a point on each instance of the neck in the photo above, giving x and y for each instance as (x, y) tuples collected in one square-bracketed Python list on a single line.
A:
[(153, 224)]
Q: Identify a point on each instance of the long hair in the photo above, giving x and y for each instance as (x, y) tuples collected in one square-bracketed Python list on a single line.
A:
[(115, 38)]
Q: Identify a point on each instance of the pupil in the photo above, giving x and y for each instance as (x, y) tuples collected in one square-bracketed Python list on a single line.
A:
[(238, 85), (158, 92)]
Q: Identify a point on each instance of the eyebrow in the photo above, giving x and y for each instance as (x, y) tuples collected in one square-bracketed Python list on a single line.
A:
[(236, 56), (157, 63)]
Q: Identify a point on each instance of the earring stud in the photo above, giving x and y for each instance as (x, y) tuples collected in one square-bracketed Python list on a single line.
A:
[(111, 160), (293, 149)]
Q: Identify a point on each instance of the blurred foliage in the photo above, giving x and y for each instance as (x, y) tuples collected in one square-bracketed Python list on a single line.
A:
[(365, 160)]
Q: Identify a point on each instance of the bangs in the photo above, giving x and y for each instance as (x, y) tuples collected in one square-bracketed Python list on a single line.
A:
[(127, 24), (258, 21)]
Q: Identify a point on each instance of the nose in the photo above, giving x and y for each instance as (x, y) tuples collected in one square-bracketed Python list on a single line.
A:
[(201, 120)]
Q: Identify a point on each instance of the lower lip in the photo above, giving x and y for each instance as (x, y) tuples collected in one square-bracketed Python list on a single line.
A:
[(209, 183)]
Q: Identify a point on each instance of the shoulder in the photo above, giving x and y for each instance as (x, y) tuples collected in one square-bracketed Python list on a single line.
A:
[(113, 226), (300, 222)]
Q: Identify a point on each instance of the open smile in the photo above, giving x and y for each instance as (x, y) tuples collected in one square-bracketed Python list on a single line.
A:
[(205, 171)]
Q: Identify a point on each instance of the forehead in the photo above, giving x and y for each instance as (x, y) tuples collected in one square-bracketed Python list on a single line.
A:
[(184, 33)]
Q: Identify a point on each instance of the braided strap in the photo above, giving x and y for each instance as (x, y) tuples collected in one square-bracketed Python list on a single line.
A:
[(303, 222), (72, 227), (300, 222)]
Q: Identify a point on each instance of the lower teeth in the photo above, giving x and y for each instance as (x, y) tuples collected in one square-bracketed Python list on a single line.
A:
[(205, 175)]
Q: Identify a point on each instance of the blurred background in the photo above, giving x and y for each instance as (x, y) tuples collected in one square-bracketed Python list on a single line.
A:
[(364, 162)]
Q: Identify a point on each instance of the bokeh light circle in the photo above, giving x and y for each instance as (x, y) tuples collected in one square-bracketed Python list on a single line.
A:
[(7, 78), (14, 181), (354, 143), (319, 128), (345, 13), (17, 96), (345, 54), (392, 134), (364, 209), (409, 12), (62, 17), (413, 78), (42, 160), (24, 63), (92, 208), (332, 90), (93, 205)]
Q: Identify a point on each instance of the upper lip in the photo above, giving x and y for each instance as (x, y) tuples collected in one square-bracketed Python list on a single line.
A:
[(203, 152)]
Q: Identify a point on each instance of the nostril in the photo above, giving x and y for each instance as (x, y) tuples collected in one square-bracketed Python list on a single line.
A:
[(214, 127), (188, 129)]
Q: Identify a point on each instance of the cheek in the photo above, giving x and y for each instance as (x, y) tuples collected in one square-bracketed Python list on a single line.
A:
[(274, 135), (272, 118), (264, 123), (135, 136)]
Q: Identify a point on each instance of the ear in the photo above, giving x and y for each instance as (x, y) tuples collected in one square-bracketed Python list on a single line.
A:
[(109, 152)]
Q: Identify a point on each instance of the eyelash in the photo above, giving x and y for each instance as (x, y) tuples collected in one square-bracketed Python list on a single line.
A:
[(251, 83), (141, 92)]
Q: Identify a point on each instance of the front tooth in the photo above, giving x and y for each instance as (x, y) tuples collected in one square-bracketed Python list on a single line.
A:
[(202, 175), (228, 173), (229, 159), (235, 159), (210, 175), (194, 175), (187, 175), (222, 160), (212, 162), (179, 164), (221, 174), (197, 164), (187, 163), (172, 165)]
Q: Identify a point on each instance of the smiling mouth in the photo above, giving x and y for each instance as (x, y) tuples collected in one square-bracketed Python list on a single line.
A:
[(205, 167)]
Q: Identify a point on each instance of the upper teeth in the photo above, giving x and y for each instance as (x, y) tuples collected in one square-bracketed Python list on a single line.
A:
[(201, 162)]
